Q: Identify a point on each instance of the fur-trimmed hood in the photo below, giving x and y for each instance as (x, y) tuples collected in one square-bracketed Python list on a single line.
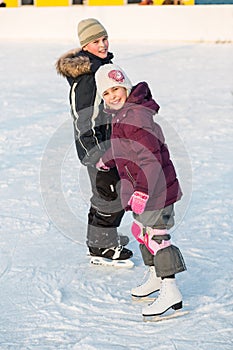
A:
[(72, 64), (77, 62)]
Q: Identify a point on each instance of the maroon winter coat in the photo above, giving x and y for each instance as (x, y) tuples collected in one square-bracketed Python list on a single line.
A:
[(139, 151)]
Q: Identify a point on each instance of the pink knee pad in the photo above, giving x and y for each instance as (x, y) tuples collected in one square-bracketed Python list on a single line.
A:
[(151, 244), (137, 231)]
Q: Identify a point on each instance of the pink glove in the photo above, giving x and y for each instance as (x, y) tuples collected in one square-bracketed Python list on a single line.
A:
[(101, 166), (138, 202)]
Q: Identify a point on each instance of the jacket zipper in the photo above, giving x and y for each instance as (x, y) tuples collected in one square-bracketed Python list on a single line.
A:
[(129, 174)]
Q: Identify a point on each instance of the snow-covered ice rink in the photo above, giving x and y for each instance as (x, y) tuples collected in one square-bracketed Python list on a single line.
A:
[(51, 297)]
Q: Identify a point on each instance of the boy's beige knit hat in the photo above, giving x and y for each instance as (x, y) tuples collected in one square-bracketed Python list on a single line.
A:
[(89, 30)]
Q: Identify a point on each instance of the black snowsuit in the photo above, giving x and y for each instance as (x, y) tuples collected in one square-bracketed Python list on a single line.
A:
[(92, 133)]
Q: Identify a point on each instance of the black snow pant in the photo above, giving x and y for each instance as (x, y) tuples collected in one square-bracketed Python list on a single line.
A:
[(106, 211)]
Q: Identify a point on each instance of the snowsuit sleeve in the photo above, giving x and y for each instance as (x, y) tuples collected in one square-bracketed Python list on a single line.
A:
[(146, 144), (85, 110), (108, 158)]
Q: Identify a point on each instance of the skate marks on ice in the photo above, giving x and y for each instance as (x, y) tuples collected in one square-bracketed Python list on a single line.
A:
[(5, 263)]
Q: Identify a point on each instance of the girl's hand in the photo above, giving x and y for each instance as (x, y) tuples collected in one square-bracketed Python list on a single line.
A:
[(138, 202)]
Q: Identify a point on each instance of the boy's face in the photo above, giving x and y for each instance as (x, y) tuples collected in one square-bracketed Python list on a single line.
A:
[(115, 97), (99, 47)]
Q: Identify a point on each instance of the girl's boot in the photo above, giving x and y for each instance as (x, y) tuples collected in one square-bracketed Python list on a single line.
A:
[(169, 297), (151, 284)]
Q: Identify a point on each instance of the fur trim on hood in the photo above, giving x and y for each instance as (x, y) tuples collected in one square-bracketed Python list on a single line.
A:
[(71, 65)]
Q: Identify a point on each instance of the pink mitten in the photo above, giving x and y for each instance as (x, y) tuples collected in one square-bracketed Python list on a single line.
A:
[(101, 166), (138, 202)]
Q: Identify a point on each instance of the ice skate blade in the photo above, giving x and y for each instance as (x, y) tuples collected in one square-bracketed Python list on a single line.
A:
[(163, 317), (97, 260)]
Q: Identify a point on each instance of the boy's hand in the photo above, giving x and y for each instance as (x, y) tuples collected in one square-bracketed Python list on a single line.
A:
[(138, 202)]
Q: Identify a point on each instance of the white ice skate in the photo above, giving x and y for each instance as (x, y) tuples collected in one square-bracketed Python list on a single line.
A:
[(169, 298), (148, 286)]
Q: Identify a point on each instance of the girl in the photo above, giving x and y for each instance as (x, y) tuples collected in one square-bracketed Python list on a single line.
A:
[(149, 185)]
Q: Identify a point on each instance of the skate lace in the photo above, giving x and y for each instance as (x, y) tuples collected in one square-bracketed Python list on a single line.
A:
[(162, 294), (117, 252)]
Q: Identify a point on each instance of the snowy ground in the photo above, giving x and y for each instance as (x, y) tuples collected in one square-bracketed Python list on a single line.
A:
[(51, 298)]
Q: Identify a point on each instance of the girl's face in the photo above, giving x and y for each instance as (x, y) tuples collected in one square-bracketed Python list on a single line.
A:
[(99, 47), (115, 97)]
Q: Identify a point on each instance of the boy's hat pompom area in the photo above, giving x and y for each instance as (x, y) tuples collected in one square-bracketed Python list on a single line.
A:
[(89, 30), (111, 75)]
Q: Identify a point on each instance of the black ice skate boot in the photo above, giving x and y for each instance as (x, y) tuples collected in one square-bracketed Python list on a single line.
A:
[(113, 253), (114, 256)]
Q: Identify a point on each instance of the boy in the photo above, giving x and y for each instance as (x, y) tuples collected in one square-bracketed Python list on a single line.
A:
[(91, 139)]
